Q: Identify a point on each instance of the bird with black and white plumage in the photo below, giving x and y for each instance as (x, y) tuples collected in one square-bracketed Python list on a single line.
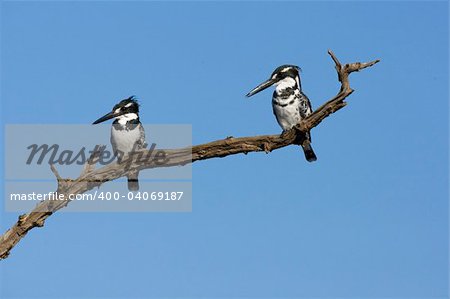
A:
[(127, 133), (290, 105)]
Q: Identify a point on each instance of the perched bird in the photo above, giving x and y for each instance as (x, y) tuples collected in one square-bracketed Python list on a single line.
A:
[(290, 105), (127, 133)]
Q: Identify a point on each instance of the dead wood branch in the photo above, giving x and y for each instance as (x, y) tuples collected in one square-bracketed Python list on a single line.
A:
[(91, 178)]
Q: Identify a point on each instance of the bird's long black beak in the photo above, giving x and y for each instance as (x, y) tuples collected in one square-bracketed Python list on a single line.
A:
[(261, 87), (105, 117)]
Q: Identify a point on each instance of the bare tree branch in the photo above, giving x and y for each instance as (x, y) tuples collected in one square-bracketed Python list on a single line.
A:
[(90, 178)]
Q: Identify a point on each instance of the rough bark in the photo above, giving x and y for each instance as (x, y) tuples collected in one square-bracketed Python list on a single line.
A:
[(90, 178)]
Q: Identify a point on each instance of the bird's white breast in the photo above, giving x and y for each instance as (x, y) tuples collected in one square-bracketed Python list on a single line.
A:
[(124, 140), (286, 109), (289, 115)]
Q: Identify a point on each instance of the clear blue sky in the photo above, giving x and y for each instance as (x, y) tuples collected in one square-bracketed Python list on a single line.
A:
[(368, 219)]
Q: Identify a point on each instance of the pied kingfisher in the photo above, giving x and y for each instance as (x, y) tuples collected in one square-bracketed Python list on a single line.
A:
[(127, 133), (290, 105)]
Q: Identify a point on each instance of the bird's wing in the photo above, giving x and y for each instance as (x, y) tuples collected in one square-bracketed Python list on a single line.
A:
[(142, 142), (305, 105), (305, 110)]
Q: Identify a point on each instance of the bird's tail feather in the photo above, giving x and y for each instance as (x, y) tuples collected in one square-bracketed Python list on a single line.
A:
[(133, 182), (309, 152)]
